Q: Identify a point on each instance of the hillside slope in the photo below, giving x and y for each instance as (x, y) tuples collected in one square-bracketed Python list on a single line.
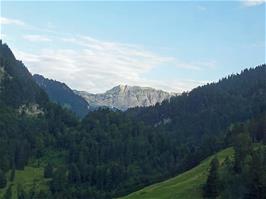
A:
[(29, 179), (17, 87), (186, 185), (60, 93)]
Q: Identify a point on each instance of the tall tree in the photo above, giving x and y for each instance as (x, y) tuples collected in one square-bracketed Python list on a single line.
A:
[(242, 148), (8, 193), (12, 174), (59, 180), (74, 174), (3, 180), (257, 173), (211, 189), (48, 171)]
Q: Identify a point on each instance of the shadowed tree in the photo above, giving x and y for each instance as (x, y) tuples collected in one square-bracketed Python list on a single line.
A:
[(211, 189)]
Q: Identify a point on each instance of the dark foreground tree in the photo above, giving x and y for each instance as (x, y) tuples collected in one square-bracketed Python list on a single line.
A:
[(48, 171), (2, 179), (257, 174), (21, 192), (211, 189), (8, 193), (12, 174), (74, 174)]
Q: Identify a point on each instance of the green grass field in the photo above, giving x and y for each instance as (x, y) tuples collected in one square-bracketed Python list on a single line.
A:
[(187, 185), (27, 178)]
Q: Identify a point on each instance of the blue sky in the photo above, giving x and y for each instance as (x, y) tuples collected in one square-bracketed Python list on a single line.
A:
[(174, 46)]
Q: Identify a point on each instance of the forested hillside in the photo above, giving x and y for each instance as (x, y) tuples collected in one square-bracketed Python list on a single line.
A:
[(238, 172), (60, 93), (109, 154), (198, 119)]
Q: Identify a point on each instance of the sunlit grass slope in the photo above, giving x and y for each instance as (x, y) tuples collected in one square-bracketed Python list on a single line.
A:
[(187, 185), (27, 178)]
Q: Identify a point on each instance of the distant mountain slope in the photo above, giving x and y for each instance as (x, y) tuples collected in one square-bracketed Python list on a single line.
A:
[(187, 185), (17, 87), (60, 93), (123, 97)]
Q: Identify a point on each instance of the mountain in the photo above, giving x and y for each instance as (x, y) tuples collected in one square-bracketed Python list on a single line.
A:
[(17, 87), (123, 97), (108, 154), (120, 97), (60, 93)]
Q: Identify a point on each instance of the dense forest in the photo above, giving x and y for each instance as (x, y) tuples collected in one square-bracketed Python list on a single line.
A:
[(111, 153)]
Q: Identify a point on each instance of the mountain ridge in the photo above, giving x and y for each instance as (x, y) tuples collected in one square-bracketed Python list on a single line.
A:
[(60, 93), (123, 97)]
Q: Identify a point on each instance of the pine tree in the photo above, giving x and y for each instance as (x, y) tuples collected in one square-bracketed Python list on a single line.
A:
[(48, 171), (12, 174), (257, 185), (8, 193), (21, 192), (211, 189), (242, 146), (59, 180), (3, 181), (74, 174)]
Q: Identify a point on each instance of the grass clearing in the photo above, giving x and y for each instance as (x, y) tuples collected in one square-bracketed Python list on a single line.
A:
[(26, 178), (187, 185)]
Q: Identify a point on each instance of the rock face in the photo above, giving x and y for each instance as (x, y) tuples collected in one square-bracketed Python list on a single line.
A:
[(123, 97)]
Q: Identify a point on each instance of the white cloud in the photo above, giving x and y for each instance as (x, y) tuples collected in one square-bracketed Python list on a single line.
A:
[(250, 3), (8, 21), (37, 38), (2, 36), (96, 66)]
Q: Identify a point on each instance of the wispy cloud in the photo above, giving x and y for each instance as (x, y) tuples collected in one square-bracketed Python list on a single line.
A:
[(2, 36), (250, 3), (8, 21), (201, 8), (37, 38), (195, 65), (96, 65)]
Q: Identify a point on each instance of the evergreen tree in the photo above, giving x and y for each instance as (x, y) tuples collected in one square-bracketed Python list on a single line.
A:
[(74, 174), (48, 171), (59, 180), (211, 189), (3, 180), (20, 157), (242, 146), (21, 192), (8, 193), (12, 174), (257, 173)]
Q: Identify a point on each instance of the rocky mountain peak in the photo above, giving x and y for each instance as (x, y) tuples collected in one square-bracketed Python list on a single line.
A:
[(123, 97)]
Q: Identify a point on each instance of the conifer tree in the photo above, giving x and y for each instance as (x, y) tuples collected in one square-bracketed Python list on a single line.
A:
[(3, 181), (211, 189), (48, 171)]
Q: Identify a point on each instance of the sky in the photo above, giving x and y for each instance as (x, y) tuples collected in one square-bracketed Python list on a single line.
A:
[(174, 45)]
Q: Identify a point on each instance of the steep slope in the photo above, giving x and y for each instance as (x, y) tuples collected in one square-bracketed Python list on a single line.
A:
[(187, 185), (123, 97), (17, 87), (209, 109), (60, 93)]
